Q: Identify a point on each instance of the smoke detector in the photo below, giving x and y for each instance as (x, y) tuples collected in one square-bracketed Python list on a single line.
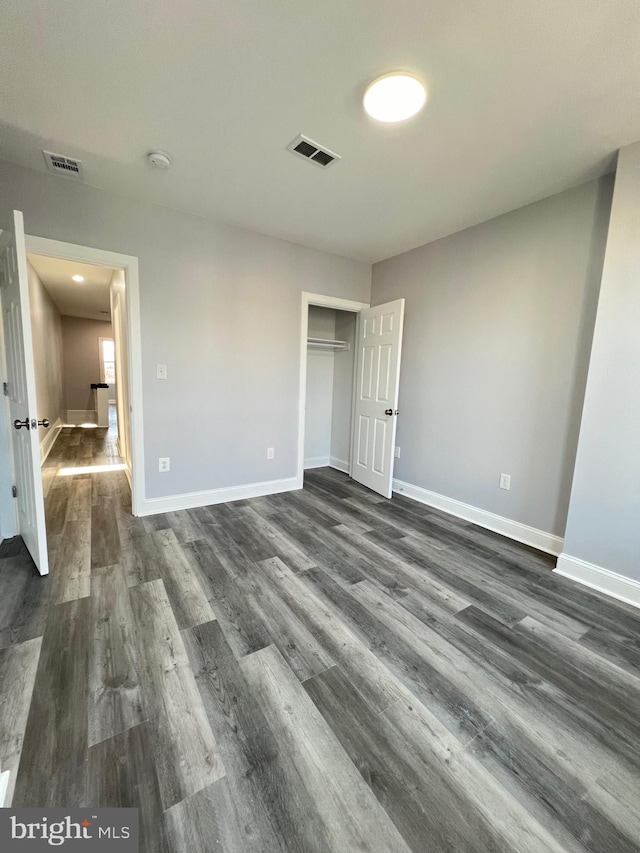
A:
[(159, 159)]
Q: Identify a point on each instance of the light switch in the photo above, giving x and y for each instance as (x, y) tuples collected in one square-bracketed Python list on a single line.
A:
[(161, 371)]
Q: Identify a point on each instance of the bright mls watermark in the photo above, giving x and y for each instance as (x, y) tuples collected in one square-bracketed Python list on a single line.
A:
[(80, 830)]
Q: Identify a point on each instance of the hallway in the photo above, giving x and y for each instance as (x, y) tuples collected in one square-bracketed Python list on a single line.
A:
[(318, 671)]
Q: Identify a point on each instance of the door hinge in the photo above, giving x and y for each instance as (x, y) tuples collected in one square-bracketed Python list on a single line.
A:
[(14, 491), (5, 389)]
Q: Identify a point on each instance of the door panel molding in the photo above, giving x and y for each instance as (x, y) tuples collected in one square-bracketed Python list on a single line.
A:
[(379, 346), (22, 398)]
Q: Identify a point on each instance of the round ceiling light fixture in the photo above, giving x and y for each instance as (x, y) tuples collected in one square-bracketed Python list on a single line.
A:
[(394, 97), (159, 159), (78, 278)]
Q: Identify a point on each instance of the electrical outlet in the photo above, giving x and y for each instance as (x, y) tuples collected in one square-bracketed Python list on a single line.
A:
[(161, 371), (505, 481), (396, 453), (270, 452), (164, 464)]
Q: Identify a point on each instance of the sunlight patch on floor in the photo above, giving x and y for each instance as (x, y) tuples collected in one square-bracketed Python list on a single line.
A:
[(91, 469)]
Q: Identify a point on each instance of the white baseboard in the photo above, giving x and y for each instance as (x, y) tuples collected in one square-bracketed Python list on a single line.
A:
[(595, 577), (339, 464), (326, 462), (507, 527), (49, 439), (316, 462), (82, 416), (190, 500)]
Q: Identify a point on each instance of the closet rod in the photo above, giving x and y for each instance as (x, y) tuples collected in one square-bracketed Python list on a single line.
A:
[(324, 342)]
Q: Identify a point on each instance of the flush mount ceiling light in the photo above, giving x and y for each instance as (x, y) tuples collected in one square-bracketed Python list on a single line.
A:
[(394, 97), (78, 278)]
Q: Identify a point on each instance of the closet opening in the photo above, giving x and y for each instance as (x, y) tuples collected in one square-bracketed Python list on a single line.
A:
[(350, 358), (328, 363)]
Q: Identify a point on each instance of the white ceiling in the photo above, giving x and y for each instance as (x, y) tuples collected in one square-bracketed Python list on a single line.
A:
[(89, 299), (525, 99)]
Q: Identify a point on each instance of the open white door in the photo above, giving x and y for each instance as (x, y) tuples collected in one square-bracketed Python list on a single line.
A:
[(14, 292), (376, 403)]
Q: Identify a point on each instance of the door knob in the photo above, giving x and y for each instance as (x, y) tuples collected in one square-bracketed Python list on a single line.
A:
[(19, 424), (390, 412), (44, 422)]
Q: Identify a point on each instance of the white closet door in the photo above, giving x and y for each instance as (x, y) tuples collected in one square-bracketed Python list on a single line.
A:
[(376, 406)]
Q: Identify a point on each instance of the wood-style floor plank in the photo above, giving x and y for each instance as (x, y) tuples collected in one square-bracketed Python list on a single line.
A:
[(345, 815), (79, 504), (18, 666), (115, 695), (623, 651), (394, 642), (366, 671), (186, 753), (235, 809), (105, 540), (506, 823), (53, 762), (122, 774), (278, 545), (188, 600), (216, 819), (244, 631), (318, 670), (71, 569), (24, 596)]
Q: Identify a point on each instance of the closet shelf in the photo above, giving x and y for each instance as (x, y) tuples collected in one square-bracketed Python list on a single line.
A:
[(325, 343)]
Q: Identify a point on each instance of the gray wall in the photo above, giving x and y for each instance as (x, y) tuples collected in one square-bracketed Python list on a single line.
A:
[(319, 402), (498, 326), (343, 387), (329, 387), (604, 516), (46, 327), (220, 307), (82, 359)]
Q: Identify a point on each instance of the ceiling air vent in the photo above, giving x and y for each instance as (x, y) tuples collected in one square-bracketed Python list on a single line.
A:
[(313, 152), (61, 165)]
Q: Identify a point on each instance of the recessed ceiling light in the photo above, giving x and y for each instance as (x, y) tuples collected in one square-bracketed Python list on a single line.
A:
[(77, 278), (394, 97)]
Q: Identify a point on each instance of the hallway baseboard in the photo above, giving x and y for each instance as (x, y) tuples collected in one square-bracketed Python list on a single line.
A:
[(81, 416), (49, 440)]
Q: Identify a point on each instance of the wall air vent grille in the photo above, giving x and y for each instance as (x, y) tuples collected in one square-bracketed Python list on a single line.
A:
[(66, 166), (311, 151)]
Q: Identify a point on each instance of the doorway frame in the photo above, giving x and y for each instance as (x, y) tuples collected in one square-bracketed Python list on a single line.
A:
[(129, 266), (323, 301)]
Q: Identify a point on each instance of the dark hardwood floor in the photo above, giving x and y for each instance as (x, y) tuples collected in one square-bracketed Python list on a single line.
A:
[(311, 672)]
